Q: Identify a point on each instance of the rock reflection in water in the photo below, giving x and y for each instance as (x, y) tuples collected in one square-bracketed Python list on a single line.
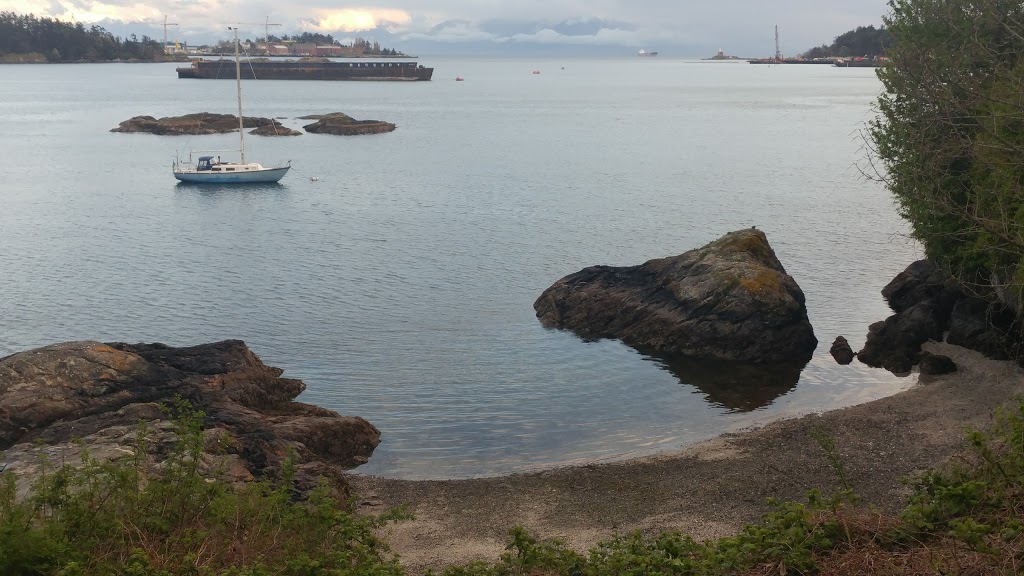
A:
[(733, 385)]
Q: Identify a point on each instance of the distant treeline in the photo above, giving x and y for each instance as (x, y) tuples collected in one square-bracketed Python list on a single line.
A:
[(28, 38), (865, 41), (327, 40)]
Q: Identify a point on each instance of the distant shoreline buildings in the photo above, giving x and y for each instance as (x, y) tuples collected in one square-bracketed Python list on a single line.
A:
[(721, 55)]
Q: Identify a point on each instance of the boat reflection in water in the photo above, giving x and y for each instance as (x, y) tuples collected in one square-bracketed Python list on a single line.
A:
[(206, 189)]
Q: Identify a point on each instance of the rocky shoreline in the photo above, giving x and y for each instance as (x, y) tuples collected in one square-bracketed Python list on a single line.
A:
[(61, 399)]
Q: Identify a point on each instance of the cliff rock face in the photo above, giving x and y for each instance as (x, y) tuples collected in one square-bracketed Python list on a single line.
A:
[(730, 300), (98, 393)]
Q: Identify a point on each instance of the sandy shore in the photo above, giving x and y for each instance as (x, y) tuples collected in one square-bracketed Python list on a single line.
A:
[(707, 490)]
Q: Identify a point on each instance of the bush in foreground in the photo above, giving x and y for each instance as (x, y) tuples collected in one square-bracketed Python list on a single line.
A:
[(117, 518)]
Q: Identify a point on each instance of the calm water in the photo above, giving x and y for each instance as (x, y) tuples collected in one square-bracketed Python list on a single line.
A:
[(399, 286)]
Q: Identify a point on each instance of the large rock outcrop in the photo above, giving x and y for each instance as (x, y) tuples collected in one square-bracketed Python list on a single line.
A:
[(930, 305), (194, 124), (98, 393), (344, 125), (730, 300)]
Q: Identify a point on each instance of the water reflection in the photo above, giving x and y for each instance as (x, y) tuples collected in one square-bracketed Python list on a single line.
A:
[(239, 188), (736, 386)]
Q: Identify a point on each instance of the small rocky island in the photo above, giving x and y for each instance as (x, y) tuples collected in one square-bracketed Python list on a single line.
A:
[(341, 124), (199, 124), (729, 300), (202, 123), (57, 400)]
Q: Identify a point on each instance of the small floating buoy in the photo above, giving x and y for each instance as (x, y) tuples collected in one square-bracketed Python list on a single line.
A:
[(458, 78), (314, 179), (536, 71)]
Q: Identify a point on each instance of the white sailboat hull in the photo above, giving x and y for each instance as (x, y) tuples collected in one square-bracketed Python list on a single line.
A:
[(208, 177)]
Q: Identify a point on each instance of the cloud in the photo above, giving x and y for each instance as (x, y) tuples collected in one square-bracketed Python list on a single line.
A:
[(355, 20), (590, 27), (450, 31), (85, 11)]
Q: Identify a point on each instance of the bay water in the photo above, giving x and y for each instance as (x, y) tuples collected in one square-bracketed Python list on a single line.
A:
[(395, 273)]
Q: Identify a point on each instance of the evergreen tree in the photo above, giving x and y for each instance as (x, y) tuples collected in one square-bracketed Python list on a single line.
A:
[(950, 136), (866, 41), (69, 42)]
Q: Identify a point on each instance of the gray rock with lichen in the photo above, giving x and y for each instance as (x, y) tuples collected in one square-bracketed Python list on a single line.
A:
[(729, 300)]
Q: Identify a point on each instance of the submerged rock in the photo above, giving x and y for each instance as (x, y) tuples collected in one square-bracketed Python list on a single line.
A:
[(98, 393), (192, 124), (730, 300), (344, 125)]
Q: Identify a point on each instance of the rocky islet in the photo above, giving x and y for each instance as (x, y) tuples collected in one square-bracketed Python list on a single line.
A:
[(203, 123)]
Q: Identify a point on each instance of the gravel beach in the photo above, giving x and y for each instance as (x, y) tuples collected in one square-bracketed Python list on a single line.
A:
[(706, 490)]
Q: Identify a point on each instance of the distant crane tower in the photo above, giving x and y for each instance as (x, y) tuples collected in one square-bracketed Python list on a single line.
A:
[(778, 52), (166, 24), (266, 31)]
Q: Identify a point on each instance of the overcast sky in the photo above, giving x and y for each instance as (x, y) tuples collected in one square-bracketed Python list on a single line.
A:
[(674, 27)]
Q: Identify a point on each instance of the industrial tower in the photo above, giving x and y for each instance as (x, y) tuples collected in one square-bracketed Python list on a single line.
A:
[(778, 53)]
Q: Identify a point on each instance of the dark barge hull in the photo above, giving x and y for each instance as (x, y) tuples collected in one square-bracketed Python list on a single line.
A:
[(270, 70)]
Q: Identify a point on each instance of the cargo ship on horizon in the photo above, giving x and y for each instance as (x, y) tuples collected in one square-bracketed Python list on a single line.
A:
[(305, 69)]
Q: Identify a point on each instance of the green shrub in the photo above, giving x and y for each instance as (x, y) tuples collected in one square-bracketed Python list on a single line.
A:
[(101, 518)]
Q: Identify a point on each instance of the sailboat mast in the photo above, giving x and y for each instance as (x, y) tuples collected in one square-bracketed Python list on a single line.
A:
[(238, 83)]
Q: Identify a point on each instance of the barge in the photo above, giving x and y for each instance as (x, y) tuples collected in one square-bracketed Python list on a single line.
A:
[(305, 69)]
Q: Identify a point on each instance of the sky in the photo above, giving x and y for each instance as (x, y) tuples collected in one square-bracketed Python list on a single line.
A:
[(686, 28)]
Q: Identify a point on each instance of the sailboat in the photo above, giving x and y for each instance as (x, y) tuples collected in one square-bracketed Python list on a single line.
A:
[(211, 170)]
